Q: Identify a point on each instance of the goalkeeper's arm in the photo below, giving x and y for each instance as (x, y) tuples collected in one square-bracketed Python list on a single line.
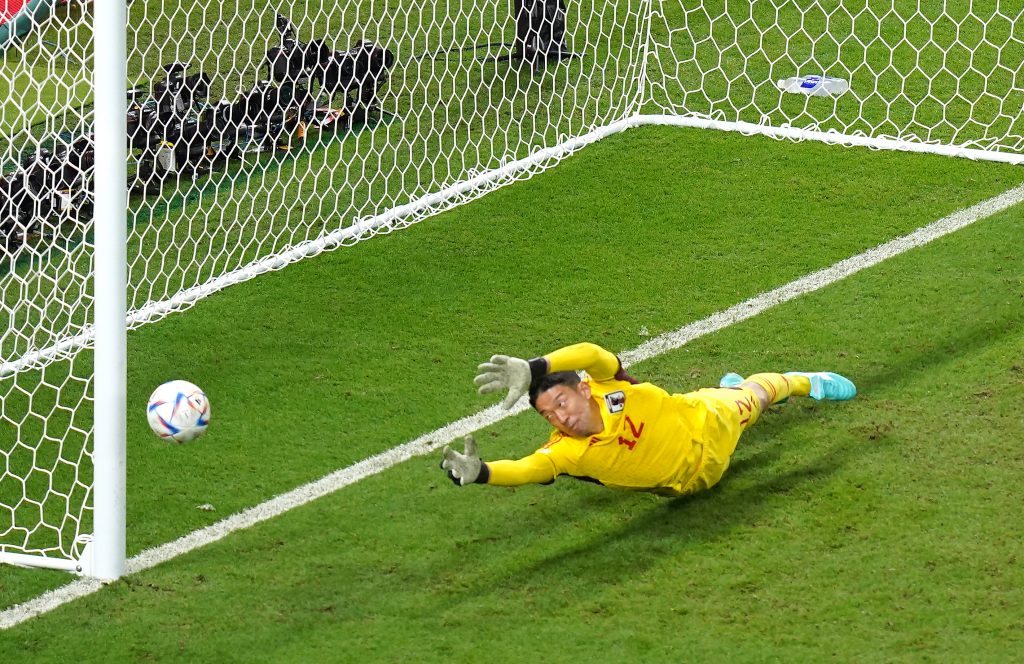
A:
[(467, 468), (516, 375), (534, 469), (599, 363)]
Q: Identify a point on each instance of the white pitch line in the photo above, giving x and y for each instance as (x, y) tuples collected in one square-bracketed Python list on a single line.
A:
[(489, 416)]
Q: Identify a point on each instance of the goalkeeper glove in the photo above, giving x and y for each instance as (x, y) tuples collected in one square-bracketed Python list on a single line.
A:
[(504, 372), (465, 468)]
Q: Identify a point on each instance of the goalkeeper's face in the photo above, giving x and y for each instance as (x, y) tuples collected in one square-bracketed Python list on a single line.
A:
[(571, 410)]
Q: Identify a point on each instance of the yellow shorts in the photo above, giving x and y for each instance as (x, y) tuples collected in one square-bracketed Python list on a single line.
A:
[(727, 414)]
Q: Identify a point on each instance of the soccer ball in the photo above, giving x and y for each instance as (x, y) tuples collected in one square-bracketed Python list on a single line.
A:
[(178, 411)]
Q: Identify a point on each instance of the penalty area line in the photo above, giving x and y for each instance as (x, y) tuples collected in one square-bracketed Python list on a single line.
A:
[(433, 440)]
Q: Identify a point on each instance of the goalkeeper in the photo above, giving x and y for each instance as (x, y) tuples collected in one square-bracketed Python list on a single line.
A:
[(613, 430)]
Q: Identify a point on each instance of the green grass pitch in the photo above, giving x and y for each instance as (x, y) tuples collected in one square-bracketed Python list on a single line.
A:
[(883, 529)]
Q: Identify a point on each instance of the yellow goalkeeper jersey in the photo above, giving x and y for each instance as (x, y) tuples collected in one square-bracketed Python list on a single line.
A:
[(651, 440)]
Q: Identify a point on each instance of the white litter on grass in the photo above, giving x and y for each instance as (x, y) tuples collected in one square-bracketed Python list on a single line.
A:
[(814, 85)]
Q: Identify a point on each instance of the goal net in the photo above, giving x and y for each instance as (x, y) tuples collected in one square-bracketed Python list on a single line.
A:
[(923, 75), (258, 135), (261, 135)]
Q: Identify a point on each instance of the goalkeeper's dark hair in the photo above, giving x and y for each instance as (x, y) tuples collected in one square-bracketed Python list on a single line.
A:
[(547, 381)]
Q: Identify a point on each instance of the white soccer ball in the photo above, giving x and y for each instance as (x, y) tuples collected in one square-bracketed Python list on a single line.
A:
[(178, 411)]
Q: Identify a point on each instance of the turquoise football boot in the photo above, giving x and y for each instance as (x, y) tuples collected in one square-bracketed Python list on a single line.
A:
[(828, 386), (731, 380)]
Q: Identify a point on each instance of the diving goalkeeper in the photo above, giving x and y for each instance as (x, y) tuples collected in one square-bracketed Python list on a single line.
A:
[(613, 430)]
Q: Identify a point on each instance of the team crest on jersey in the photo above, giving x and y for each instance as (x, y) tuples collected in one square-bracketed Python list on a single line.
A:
[(616, 401)]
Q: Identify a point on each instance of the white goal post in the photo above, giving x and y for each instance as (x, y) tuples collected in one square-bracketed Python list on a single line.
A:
[(199, 146)]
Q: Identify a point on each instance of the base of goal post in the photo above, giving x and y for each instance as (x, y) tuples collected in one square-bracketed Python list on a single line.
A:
[(84, 566), (26, 560)]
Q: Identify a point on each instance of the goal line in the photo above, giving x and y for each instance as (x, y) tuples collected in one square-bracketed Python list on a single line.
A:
[(433, 440)]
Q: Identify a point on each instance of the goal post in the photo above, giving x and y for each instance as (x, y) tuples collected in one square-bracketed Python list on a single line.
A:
[(106, 559), (101, 552)]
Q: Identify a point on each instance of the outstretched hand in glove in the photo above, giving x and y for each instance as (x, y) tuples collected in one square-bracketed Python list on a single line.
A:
[(504, 372), (463, 467)]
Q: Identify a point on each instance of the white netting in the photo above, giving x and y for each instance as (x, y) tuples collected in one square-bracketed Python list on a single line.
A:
[(45, 291), (918, 70), (377, 115), (238, 166)]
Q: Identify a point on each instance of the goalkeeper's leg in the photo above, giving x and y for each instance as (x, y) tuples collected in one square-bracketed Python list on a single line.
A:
[(773, 388), (768, 388)]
